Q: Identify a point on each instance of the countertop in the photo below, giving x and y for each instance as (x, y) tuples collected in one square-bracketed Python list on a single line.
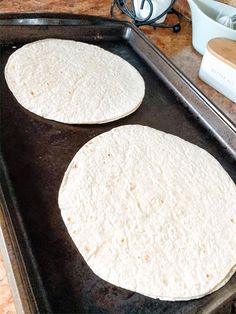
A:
[(6, 299), (177, 47)]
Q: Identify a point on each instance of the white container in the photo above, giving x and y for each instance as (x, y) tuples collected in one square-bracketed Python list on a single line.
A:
[(159, 6), (204, 25), (218, 67)]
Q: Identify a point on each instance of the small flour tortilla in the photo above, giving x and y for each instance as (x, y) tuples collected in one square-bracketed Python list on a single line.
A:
[(73, 82), (151, 213)]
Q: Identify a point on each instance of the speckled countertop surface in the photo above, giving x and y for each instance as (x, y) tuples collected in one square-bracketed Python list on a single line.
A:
[(177, 47), (6, 300)]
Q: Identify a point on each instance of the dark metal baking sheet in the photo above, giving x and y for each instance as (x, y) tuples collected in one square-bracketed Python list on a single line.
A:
[(50, 273)]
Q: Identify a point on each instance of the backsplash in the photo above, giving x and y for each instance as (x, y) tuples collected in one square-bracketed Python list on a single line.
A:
[(183, 7)]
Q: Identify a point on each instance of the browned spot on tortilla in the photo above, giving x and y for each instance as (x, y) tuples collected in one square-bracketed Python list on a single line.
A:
[(87, 248), (122, 240), (68, 219), (207, 275), (147, 258), (108, 155), (32, 93), (74, 166), (132, 186), (232, 220), (161, 201), (164, 281)]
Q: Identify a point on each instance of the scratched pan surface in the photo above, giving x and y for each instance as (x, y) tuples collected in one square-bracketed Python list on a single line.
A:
[(36, 153)]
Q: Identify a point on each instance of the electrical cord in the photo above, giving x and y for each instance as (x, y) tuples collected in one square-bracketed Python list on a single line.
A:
[(129, 10)]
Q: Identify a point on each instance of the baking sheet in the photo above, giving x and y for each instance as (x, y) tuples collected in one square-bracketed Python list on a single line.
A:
[(36, 152)]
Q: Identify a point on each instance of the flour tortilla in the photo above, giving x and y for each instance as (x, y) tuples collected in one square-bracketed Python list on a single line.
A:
[(73, 82), (151, 213)]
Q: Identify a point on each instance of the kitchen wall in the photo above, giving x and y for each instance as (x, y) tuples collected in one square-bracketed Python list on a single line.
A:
[(182, 6)]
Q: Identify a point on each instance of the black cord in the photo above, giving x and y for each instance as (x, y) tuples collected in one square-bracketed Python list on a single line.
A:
[(130, 11), (123, 7)]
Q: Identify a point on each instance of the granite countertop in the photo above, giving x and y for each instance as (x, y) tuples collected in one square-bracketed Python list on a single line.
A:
[(177, 47), (6, 299)]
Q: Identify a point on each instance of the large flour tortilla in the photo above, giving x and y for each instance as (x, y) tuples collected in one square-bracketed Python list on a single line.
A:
[(151, 213), (73, 82)]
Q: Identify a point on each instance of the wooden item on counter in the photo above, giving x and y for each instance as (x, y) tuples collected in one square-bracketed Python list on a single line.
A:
[(218, 67), (223, 49)]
